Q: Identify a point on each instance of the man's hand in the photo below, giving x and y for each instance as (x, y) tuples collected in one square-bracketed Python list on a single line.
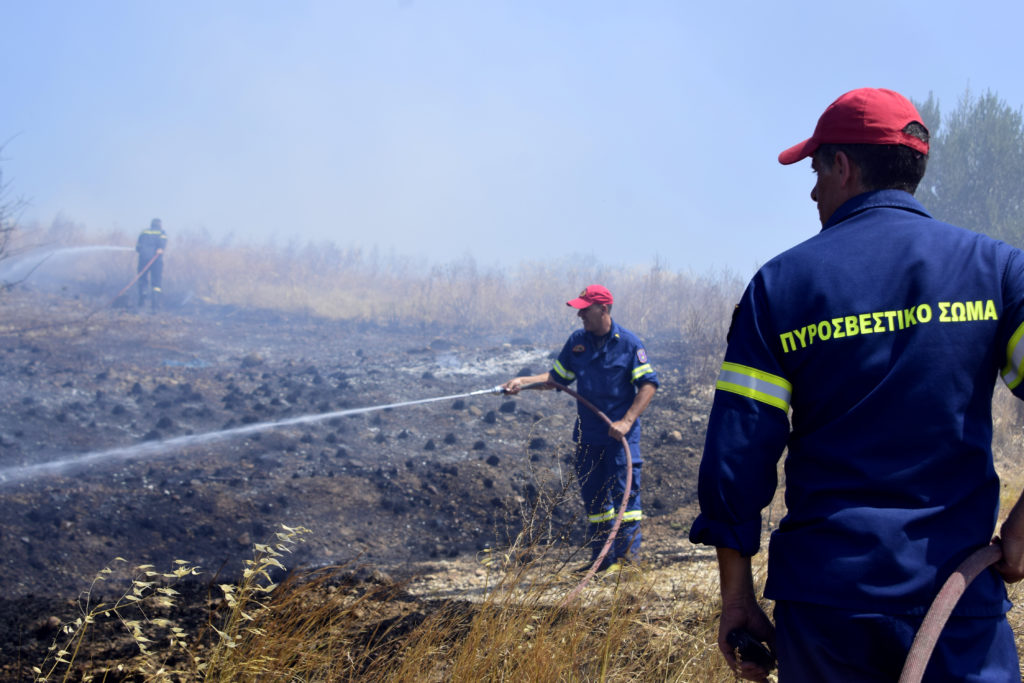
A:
[(1011, 537), (620, 428), (752, 619), (516, 384), (513, 386), (741, 611)]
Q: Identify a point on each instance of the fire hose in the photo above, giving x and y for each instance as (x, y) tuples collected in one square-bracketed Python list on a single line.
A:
[(138, 275), (928, 635), (625, 496)]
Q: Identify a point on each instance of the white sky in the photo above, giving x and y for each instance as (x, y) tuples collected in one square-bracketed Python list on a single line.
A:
[(508, 131)]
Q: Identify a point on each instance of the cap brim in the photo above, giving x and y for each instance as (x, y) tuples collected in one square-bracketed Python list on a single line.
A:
[(798, 151), (578, 303)]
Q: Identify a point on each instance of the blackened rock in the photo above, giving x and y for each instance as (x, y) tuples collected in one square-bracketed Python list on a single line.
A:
[(493, 461), (508, 407), (251, 360)]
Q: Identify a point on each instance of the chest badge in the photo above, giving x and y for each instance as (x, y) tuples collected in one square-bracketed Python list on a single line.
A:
[(579, 348)]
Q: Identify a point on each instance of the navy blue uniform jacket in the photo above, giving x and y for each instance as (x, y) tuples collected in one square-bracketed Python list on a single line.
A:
[(607, 377), (884, 334)]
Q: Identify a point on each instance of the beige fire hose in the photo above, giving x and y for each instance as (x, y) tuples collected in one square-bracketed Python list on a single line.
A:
[(924, 642)]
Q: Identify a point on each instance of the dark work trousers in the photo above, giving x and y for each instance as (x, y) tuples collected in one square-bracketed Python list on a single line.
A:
[(151, 279), (816, 643), (601, 471)]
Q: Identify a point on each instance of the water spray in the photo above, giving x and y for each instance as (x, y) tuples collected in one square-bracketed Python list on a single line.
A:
[(12, 475), (20, 268)]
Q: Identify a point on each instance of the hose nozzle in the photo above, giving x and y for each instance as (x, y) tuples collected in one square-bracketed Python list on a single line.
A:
[(497, 391)]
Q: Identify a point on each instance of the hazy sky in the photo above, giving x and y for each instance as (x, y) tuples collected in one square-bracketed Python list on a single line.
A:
[(509, 131)]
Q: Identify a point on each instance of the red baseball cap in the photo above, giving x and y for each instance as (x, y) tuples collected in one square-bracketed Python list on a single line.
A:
[(594, 294), (873, 116)]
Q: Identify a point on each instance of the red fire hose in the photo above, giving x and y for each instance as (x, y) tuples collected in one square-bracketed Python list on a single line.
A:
[(942, 607), (138, 275), (625, 496)]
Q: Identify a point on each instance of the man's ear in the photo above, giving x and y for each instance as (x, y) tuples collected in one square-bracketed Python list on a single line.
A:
[(848, 172)]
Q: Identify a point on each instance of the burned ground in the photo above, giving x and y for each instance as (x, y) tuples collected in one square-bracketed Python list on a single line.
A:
[(392, 488)]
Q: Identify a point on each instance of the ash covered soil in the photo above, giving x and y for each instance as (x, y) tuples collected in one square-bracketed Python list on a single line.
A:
[(415, 492)]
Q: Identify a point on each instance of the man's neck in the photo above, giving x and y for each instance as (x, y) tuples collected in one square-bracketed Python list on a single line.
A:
[(601, 337)]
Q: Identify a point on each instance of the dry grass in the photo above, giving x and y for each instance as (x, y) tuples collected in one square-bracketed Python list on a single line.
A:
[(324, 626)]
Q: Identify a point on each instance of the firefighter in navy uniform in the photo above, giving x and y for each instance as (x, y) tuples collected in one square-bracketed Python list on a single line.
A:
[(150, 246), (610, 365), (884, 335)]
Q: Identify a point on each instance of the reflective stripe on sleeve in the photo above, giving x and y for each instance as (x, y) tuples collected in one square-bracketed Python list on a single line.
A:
[(567, 375), (632, 516), (1012, 373), (755, 384), (641, 370)]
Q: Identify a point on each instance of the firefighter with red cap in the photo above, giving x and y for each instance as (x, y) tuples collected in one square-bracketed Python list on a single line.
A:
[(869, 353), (612, 371)]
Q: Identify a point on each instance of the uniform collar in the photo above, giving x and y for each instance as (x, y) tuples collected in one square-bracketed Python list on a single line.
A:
[(613, 334), (892, 199)]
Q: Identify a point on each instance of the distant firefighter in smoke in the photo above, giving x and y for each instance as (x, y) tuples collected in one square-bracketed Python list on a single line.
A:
[(150, 247)]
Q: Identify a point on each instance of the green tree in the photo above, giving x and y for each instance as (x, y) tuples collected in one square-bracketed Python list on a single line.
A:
[(976, 166)]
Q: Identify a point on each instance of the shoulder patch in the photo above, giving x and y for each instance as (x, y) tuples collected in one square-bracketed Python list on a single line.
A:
[(641, 355), (579, 348)]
